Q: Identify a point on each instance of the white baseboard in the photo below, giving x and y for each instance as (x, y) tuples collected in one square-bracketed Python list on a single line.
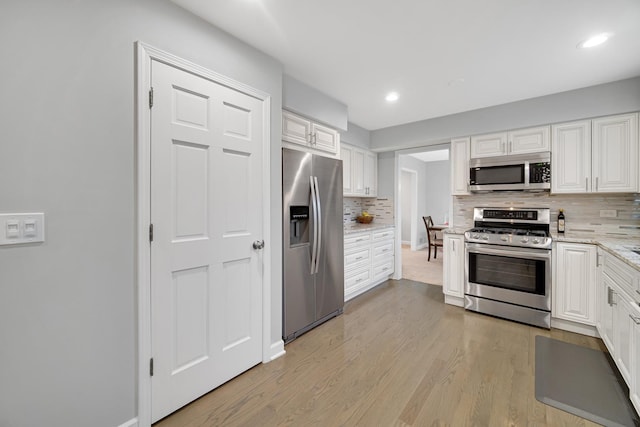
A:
[(457, 301), (422, 246), (578, 328), (131, 423), (276, 350)]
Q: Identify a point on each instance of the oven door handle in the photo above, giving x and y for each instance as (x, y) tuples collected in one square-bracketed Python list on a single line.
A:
[(544, 255)]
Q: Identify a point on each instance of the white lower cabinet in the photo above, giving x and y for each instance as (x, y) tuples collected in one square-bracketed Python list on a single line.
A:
[(574, 287), (368, 260), (619, 320), (453, 274)]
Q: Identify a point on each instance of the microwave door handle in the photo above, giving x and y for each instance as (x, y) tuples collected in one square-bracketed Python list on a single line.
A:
[(526, 174)]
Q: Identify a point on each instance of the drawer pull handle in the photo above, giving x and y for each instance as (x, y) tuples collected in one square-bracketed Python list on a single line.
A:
[(359, 240), (635, 319), (387, 250), (359, 258), (385, 269), (359, 280)]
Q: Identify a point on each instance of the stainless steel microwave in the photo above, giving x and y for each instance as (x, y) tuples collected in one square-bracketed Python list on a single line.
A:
[(527, 172)]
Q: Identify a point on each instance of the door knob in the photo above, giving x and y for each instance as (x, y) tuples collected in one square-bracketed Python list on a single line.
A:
[(258, 244)]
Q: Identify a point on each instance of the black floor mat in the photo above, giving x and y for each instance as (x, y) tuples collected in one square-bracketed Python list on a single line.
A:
[(580, 381)]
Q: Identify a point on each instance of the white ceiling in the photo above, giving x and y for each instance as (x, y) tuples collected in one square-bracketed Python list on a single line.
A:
[(431, 156), (505, 50)]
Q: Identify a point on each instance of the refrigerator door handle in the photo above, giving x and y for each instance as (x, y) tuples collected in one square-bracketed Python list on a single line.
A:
[(318, 224), (314, 208)]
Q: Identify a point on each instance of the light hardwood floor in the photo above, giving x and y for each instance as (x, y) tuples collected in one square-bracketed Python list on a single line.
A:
[(416, 267), (398, 356)]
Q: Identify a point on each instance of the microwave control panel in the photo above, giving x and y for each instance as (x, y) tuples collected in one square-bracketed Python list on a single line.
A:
[(539, 173)]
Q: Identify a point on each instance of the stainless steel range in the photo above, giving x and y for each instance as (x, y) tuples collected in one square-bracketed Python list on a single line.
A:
[(508, 264)]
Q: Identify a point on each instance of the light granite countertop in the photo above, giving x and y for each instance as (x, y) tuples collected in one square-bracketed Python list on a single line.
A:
[(617, 246), (355, 227)]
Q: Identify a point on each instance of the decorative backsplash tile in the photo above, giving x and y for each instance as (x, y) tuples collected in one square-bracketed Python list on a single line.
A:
[(582, 211), (381, 209)]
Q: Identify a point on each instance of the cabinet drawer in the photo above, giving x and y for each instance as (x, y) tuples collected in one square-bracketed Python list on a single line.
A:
[(622, 274), (357, 278), (383, 270), (382, 252), (359, 257), (385, 234), (354, 240)]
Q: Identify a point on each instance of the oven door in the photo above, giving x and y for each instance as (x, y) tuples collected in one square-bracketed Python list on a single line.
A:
[(520, 276)]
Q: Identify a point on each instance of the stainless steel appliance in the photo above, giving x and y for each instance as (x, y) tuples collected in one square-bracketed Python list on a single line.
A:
[(508, 264), (529, 172), (313, 241)]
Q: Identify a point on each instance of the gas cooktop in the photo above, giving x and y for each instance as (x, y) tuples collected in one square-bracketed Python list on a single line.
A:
[(520, 227)]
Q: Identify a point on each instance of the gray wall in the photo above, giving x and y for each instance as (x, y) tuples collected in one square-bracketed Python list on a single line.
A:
[(386, 174), (68, 306), (405, 205), (611, 98), (356, 135), (310, 102)]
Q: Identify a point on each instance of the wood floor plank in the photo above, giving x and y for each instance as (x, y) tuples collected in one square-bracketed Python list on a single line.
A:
[(398, 356)]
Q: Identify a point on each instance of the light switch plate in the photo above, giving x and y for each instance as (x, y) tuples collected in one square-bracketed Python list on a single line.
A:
[(21, 228)]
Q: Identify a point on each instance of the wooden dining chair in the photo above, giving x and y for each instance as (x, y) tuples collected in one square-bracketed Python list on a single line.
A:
[(432, 239)]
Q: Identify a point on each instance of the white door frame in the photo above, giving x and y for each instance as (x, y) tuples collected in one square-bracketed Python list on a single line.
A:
[(144, 56), (414, 206)]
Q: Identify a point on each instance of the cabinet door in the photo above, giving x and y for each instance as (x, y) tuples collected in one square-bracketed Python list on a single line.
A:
[(607, 319), (494, 144), (295, 129), (623, 329), (453, 265), (460, 166), (533, 140), (357, 172), (635, 365), (575, 285), (371, 174), (346, 152), (615, 154), (325, 139), (571, 157)]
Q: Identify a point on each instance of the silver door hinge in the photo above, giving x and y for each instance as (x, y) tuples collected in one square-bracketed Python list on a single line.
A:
[(150, 232), (151, 367), (150, 97)]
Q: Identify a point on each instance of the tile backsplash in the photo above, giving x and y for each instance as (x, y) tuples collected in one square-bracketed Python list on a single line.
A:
[(582, 211), (381, 209)]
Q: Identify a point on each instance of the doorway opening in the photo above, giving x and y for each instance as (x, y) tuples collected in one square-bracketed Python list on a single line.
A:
[(423, 190)]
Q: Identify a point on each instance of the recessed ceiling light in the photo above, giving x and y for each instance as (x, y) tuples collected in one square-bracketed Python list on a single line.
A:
[(392, 97), (594, 41)]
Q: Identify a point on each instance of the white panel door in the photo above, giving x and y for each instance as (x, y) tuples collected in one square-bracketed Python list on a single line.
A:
[(325, 139), (494, 144), (635, 362), (571, 157), (453, 265), (357, 172), (623, 330), (575, 285), (460, 166), (532, 140), (615, 154), (346, 153), (295, 129), (206, 207), (370, 174)]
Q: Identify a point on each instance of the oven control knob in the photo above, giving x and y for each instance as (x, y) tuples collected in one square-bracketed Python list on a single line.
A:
[(504, 238), (524, 240), (475, 236), (536, 241), (485, 237)]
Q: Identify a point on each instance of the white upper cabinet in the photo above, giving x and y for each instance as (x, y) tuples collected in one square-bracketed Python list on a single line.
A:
[(615, 154), (532, 140), (521, 141), (571, 157), (490, 145), (302, 132), (345, 154), (595, 156), (460, 166), (360, 171)]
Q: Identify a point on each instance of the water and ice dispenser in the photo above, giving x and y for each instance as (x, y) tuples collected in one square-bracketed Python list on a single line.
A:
[(298, 225)]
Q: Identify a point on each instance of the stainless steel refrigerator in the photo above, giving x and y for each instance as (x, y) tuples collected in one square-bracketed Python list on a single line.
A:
[(313, 236)]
